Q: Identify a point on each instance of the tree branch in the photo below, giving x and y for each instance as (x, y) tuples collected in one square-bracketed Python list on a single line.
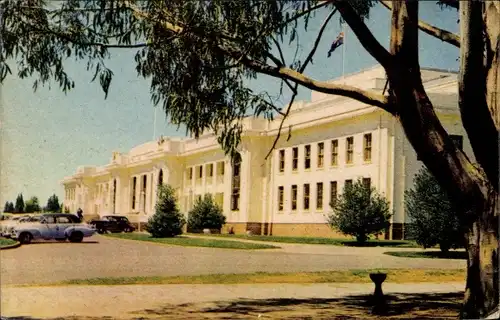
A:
[(473, 91), (363, 33), (295, 91), (431, 30)]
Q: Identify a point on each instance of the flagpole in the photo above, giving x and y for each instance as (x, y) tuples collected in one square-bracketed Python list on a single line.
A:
[(343, 52)]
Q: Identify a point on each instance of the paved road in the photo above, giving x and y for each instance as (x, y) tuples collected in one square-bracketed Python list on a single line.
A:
[(188, 301), (46, 262)]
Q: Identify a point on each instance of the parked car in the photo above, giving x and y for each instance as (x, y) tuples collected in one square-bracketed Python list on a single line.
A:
[(7, 224), (24, 219), (112, 224), (59, 226)]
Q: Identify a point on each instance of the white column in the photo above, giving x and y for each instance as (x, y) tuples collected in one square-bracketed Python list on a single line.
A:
[(228, 173), (245, 184)]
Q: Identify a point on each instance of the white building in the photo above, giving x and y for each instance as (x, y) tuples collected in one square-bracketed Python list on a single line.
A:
[(333, 141)]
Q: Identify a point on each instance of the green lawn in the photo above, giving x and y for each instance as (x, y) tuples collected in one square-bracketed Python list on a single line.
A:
[(461, 255), (192, 242), (347, 276), (6, 242), (318, 240)]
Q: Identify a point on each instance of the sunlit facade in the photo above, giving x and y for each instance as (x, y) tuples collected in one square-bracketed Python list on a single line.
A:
[(327, 143)]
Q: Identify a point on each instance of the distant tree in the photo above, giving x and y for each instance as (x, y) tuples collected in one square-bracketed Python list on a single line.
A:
[(32, 205), (206, 214), (6, 207), (433, 218), (167, 220), (53, 204), (19, 208), (11, 207), (360, 212)]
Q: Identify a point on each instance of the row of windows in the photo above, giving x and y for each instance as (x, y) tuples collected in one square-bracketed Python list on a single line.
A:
[(306, 194), (334, 152), (209, 170)]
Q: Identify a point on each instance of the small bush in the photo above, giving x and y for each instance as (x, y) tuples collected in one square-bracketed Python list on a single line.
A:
[(206, 214), (433, 220), (167, 220), (360, 212)]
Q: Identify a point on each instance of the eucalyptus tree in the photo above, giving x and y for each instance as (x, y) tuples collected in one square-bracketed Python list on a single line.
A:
[(199, 54)]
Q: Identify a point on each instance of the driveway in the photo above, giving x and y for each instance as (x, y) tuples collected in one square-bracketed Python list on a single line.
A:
[(99, 256)]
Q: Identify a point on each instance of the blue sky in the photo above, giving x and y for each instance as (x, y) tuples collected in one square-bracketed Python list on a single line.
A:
[(46, 135)]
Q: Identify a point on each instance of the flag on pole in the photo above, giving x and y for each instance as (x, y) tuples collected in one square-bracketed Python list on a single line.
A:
[(337, 43)]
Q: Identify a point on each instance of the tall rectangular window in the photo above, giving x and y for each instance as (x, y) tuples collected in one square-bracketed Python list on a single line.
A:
[(294, 197), (282, 160), (210, 170), (190, 173), (319, 195), (349, 149), (220, 168), (281, 197), (335, 152), (307, 193), (367, 183), (321, 154), (307, 156), (347, 184), (134, 187), (295, 158), (367, 147), (333, 192), (200, 172)]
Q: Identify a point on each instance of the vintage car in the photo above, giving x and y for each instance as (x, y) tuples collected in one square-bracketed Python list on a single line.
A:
[(7, 224), (25, 219), (59, 226), (112, 224)]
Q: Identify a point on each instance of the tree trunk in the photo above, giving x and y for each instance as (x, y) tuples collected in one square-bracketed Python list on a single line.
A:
[(481, 293)]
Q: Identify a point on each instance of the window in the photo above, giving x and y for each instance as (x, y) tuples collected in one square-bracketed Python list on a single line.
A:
[(281, 196), (367, 147), (190, 173), (282, 160), (294, 197), (321, 154), (295, 159), (114, 195), (347, 184), (335, 152), (306, 196), (200, 172), (160, 177), (367, 183), (210, 169), (220, 168), (307, 157), (349, 149), (457, 140), (319, 196), (143, 191), (134, 186), (235, 185), (63, 220), (333, 192)]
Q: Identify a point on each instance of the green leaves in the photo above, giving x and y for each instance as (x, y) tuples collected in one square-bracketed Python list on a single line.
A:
[(167, 220), (433, 218), (206, 214), (360, 212)]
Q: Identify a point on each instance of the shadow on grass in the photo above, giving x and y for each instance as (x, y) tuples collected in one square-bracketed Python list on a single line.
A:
[(401, 306), (376, 243), (459, 255)]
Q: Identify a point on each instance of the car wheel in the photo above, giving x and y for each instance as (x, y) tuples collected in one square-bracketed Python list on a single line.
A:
[(101, 231), (25, 238), (76, 236)]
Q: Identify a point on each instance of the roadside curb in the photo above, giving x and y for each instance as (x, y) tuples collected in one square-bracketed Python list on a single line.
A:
[(12, 246)]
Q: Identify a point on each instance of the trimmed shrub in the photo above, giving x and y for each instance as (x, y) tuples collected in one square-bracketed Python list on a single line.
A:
[(360, 212), (167, 220), (206, 214)]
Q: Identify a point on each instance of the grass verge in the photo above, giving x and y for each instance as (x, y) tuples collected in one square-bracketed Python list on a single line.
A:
[(459, 255), (4, 242), (318, 240), (348, 276), (193, 242)]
